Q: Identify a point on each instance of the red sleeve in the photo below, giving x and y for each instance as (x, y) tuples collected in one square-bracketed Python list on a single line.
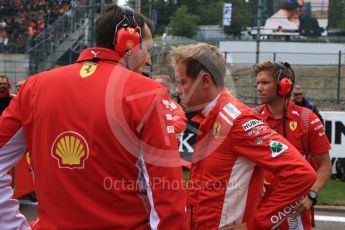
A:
[(318, 141), (179, 117), (161, 166), (273, 153)]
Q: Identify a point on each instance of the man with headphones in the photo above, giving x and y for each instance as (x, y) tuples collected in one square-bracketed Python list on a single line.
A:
[(5, 94), (297, 124), (101, 141)]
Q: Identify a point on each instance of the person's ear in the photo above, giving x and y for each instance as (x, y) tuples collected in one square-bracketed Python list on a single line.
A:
[(206, 80)]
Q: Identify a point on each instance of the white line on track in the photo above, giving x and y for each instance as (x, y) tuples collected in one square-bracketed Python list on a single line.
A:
[(330, 218)]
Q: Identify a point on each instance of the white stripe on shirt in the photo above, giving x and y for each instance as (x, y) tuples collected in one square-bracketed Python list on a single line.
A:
[(10, 154), (235, 198), (154, 218)]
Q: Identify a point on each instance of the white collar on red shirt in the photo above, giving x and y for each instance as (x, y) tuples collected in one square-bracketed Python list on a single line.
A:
[(210, 106)]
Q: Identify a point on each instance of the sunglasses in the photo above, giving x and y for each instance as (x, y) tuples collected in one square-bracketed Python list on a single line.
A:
[(297, 94)]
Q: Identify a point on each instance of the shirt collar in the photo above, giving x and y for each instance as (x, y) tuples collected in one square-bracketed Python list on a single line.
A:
[(210, 106), (289, 111), (97, 53)]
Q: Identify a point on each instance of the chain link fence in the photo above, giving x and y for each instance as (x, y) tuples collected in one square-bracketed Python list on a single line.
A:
[(319, 67), (323, 83)]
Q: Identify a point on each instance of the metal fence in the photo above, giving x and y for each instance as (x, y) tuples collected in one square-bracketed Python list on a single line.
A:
[(14, 67), (323, 83), (321, 74)]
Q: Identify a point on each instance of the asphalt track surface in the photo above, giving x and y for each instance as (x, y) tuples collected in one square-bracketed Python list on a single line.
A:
[(327, 217)]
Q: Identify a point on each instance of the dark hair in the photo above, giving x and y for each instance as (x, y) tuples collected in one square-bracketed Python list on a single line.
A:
[(289, 5), (107, 21)]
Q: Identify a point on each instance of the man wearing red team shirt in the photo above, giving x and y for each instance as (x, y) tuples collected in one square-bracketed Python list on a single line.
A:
[(297, 124), (232, 146), (5, 95), (103, 153)]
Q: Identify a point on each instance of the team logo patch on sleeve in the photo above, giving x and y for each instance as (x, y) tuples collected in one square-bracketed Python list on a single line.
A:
[(87, 69), (251, 124), (166, 104), (316, 120), (173, 106), (231, 110), (293, 125), (277, 148), (169, 117)]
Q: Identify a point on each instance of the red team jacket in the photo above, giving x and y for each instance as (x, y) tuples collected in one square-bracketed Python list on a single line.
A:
[(306, 133), (226, 179), (103, 152)]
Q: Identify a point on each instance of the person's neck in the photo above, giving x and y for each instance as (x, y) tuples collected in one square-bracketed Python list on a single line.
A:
[(214, 92), (210, 96), (276, 107)]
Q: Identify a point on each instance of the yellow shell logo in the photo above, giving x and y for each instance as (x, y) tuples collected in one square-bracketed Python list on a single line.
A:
[(88, 69), (129, 44), (70, 149), (293, 125)]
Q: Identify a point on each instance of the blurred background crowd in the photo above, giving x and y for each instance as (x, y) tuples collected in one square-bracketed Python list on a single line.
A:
[(21, 20)]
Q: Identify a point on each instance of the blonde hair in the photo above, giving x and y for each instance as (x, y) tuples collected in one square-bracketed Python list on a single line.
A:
[(200, 57)]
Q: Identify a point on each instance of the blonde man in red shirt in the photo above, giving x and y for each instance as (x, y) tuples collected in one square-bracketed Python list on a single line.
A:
[(297, 124)]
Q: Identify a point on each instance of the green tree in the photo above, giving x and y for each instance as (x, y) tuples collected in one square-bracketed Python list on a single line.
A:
[(211, 12), (336, 14), (164, 9), (184, 23)]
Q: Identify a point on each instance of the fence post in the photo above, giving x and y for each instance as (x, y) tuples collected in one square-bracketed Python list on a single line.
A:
[(339, 73), (258, 31), (274, 56), (225, 56)]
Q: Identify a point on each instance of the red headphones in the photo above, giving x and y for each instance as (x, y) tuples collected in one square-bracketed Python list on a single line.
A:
[(126, 35), (285, 79)]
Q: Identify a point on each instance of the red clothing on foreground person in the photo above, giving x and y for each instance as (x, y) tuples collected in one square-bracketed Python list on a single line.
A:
[(226, 177), (178, 114), (296, 134), (98, 138), (179, 117)]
